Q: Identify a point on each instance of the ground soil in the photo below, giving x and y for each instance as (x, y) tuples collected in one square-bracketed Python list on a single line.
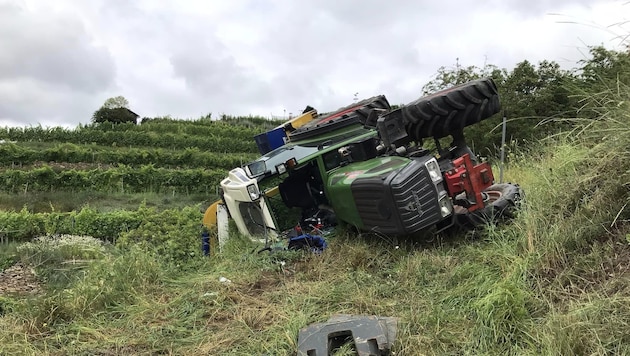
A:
[(19, 280)]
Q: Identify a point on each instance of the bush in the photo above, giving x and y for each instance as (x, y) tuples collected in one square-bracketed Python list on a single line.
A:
[(114, 115), (174, 235)]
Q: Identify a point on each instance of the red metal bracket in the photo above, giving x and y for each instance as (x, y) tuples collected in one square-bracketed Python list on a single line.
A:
[(469, 178)]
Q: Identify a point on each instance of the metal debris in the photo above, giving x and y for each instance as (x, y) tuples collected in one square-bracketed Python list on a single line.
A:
[(372, 335)]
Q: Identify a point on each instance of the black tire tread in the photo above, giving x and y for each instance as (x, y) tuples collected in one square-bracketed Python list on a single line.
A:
[(501, 209), (444, 112)]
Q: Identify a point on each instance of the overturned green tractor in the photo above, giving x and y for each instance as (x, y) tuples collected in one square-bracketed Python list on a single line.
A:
[(365, 166)]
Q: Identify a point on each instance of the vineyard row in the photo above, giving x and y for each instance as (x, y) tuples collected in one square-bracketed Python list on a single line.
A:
[(222, 144), (210, 128), (255, 122), (122, 179), (15, 154)]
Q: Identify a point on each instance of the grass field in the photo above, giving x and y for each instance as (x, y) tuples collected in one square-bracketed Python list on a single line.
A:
[(555, 281)]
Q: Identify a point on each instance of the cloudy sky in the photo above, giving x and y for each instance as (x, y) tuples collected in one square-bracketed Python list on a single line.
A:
[(60, 60)]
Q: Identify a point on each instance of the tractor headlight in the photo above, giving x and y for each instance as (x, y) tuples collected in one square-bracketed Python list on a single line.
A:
[(446, 207), (434, 170), (253, 191)]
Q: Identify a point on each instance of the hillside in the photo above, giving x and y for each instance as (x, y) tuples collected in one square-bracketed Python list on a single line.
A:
[(165, 162), (555, 281)]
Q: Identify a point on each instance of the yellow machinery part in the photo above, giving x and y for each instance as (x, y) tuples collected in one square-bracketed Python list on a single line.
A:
[(272, 192), (210, 216), (299, 121)]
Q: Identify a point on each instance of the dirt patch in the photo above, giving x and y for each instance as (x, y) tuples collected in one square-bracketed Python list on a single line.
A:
[(19, 280), (268, 281)]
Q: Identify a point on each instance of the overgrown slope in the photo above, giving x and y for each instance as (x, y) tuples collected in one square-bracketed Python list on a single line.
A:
[(555, 281)]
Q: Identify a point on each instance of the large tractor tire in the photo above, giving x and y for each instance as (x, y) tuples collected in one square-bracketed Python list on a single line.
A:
[(356, 113), (502, 202), (449, 111)]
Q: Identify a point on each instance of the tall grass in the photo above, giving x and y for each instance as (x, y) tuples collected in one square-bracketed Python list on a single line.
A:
[(555, 281)]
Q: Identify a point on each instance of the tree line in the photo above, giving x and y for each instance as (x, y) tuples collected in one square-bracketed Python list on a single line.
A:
[(539, 99)]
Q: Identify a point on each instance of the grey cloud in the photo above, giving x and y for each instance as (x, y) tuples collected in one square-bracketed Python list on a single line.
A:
[(53, 49), (208, 68), (29, 102), (540, 7), (250, 56)]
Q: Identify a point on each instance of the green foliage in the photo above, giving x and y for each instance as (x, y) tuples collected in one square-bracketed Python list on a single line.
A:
[(113, 115), (450, 76), (538, 99), (191, 128), (605, 68), (100, 285), (261, 123), (65, 201), (8, 255), (502, 315), (531, 96), (129, 138), (117, 179), (258, 123), (23, 225), (174, 235), (116, 102), (115, 110), (12, 154), (604, 81)]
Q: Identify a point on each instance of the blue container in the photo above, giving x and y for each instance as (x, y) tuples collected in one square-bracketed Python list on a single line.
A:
[(270, 140), (277, 137), (205, 243)]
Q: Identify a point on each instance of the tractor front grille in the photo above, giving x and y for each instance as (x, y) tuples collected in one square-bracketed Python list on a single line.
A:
[(402, 202)]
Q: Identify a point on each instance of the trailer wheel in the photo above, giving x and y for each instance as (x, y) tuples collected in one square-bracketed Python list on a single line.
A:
[(357, 113), (445, 112), (503, 201)]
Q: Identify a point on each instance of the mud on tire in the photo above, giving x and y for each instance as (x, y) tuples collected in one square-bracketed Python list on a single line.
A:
[(357, 113), (447, 111)]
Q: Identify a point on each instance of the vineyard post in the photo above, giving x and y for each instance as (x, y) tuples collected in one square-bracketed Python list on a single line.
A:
[(504, 125)]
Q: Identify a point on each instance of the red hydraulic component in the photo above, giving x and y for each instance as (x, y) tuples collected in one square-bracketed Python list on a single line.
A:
[(469, 178), (338, 115)]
